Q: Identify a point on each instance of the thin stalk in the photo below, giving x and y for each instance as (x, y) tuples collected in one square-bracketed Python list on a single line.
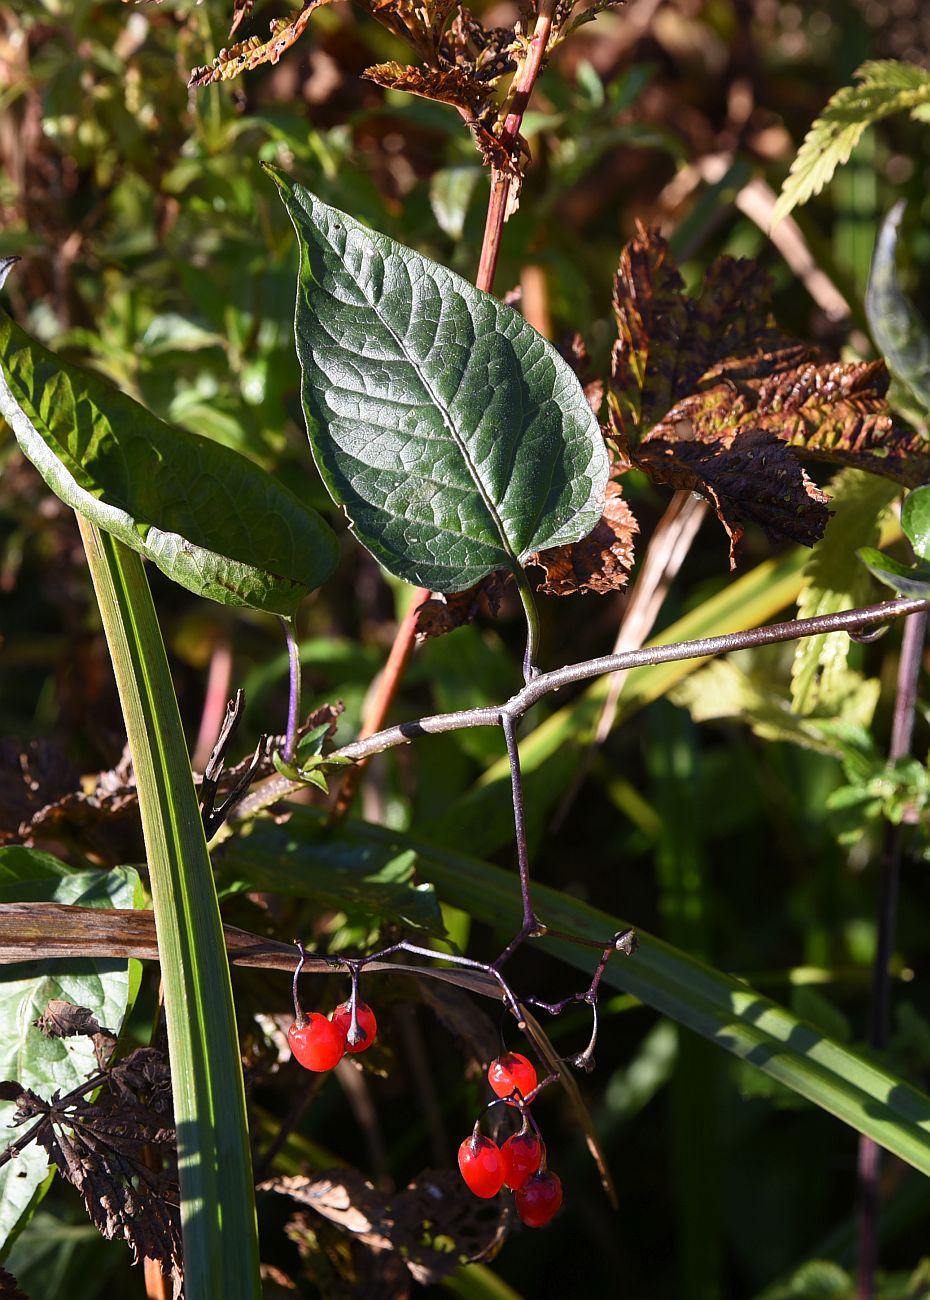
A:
[(293, 695), (530, 920), (869, 1156), (532, 624), (214, 1159)]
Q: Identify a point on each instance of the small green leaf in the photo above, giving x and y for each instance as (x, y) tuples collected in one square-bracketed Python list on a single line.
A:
[(885, 86), (915, 520), (456, 438), (207, 517), (26, 1055), (450, 192), (908, 580), (900, 332)]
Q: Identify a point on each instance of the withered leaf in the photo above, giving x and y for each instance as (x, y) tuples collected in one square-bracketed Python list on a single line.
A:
[(31, 776), (103, 1148), (441, 614), (62, 1019), (599, 563), (749, 476), (447, 86), (253, 52), (703, 390), (435, 1224), (10, 1288), (241, 11), (575, 351)]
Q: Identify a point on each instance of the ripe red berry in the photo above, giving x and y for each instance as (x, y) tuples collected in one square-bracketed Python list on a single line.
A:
[(512, 1071), (482, 1165), (522, 1155), (317, 1044), (539, 1198), (367, 1024)]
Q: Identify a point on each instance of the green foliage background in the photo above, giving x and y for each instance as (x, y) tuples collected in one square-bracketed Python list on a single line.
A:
[(155, 250)]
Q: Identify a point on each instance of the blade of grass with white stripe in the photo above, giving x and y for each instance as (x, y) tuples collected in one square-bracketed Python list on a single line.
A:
[(214, 1158)]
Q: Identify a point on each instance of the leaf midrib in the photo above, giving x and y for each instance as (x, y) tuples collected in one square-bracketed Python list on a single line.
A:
[(439, 405)]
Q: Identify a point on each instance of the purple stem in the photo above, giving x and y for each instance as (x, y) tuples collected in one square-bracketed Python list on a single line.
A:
[(869, 1158), (293, 700)]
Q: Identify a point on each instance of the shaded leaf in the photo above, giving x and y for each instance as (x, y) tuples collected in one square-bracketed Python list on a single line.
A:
[(748, 475), (456, 438), (885, 86), (915, 520), (575, 352), (31, 776), (253, 52), (208, 518), (834, 580), (899, 331), (9, 1287), (435, 1224), (441, 614), (600, 562), (906, 579)]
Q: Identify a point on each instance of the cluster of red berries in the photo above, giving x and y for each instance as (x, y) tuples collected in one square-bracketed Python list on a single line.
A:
[(319, 1043), (520, 1163)]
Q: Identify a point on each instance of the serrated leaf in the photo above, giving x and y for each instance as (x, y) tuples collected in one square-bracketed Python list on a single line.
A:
[(207, 517), (915, 520), (599, 563), (253, 52), (26, 1054), (456, 438), (899, 331), (885, 86), (906, 579), (446, 86), (834, 579)]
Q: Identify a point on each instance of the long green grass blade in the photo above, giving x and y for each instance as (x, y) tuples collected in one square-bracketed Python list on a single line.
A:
[(214, 1159), (723, 1009)]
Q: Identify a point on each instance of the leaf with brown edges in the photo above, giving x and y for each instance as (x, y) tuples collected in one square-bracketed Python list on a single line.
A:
[(447, 86), (601, 562), (253, 52)]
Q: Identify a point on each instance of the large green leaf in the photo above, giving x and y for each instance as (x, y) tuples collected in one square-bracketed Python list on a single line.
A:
[(26, 1055), (723, 1009), (207, 517), (898, 329), (457, 439)]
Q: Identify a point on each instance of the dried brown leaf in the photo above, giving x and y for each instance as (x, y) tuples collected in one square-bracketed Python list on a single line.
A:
[(253, 52), (574, 350), (449, 86), (599, 563), (435, 1224), (241, 11), (441, 614), (31, 776), (749, 476)]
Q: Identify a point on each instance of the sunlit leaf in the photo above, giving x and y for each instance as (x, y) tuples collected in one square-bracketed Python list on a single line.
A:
[(456, 438)]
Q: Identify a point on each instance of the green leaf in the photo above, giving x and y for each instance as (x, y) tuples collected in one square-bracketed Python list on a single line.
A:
[(899, 331), (906, 579), (26, 1055), (457, 439), (915, 520), (450, 192), (885, 87), (208, 518), (835, 580)]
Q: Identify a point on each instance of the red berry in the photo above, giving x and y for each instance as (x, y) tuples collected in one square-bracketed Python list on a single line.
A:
[(317, 1044), (367, 1024), (512, 1071), (539, 1198), (482, 1165), (522, 1155)]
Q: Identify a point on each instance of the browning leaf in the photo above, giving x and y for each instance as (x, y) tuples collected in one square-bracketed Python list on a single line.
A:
[(435, 1224), (253, 52), (241, 11), (447, 86), (62, 1019), (748, 475), (31, 776), (101, 1148), (10, 1288), (442, 614), (601, 562), (575, 352), (704, 390)]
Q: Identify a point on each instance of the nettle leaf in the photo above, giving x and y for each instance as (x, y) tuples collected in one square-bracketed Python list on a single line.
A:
[(885, 86), (456, 438), (898, 329), (708, 395), (447, 86), (210, 519), (253, 52)]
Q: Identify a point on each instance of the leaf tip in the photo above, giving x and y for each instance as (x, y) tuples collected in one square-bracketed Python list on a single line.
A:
[(6, 265)]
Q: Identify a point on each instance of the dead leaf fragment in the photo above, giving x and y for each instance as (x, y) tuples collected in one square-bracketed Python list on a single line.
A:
[(599, 563)]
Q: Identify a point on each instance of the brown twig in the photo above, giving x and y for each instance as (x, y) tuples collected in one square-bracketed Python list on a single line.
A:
[(869, 1159)]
